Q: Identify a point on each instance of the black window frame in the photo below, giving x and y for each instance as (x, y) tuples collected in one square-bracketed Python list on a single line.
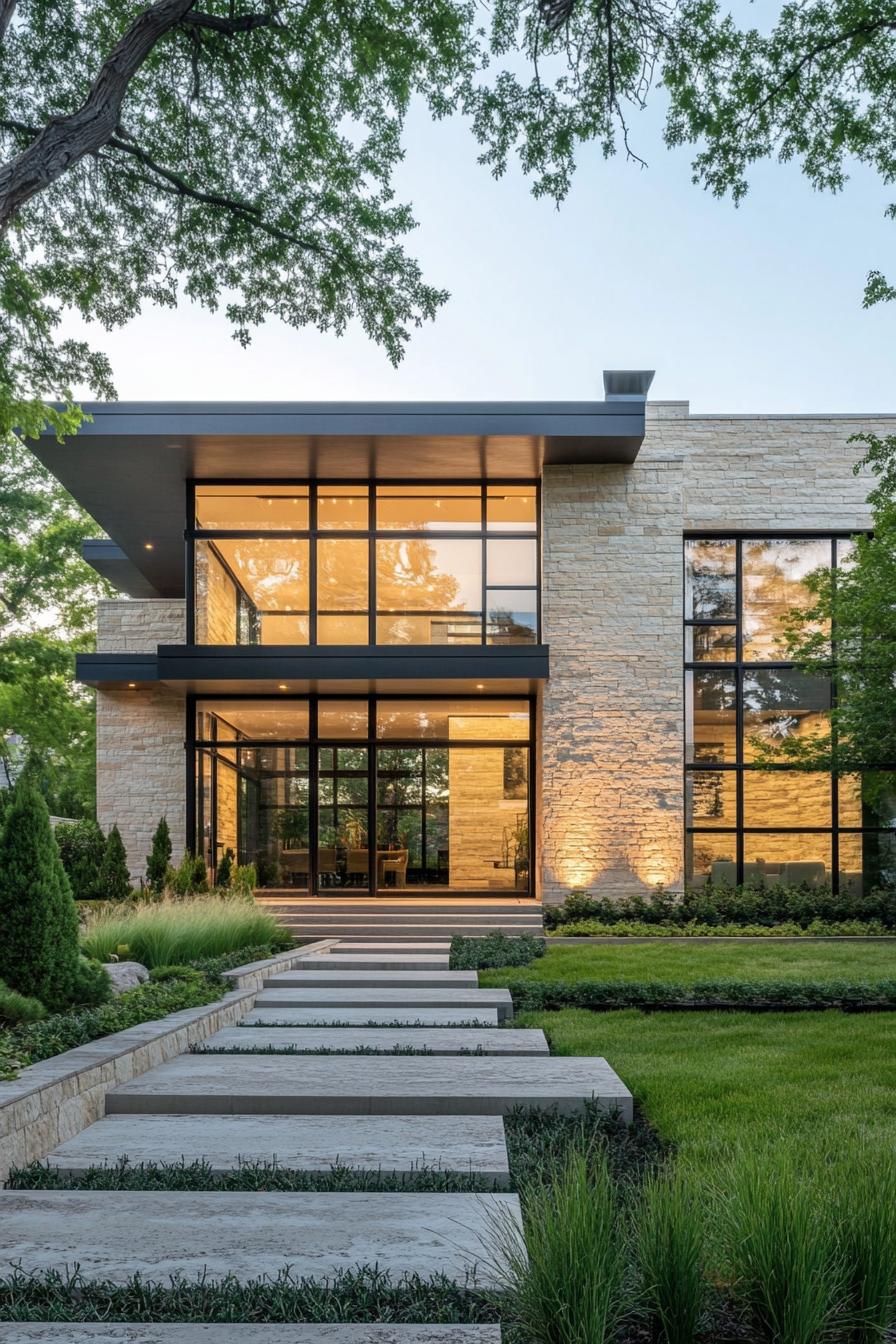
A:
[(739, 668), (372, 535), (195, 746)]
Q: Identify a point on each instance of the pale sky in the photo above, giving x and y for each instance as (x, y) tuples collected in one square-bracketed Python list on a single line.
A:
[(738, 310)]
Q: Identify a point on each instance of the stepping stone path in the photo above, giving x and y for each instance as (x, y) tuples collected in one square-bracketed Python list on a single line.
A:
[(309, 1109)]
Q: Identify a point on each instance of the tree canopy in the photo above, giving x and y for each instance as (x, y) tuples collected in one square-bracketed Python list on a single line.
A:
[(241, 152)]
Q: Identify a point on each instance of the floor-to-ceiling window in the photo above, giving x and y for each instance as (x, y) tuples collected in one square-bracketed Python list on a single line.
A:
[(364, 563), (747, 821), (363, 795)]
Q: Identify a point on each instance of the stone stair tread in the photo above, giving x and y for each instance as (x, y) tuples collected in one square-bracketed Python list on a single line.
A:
[(114, 1234), (374, 961), (58, 1332), (380, 997), (412, 1018), (400, 1143), (438, 1041), (439, 947), (388, 979), (366, 1085)]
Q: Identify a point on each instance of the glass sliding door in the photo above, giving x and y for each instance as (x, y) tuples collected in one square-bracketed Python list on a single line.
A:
[(394, 794)]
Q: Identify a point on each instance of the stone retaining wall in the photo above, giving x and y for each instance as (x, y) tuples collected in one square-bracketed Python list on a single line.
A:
[(54, 1100)]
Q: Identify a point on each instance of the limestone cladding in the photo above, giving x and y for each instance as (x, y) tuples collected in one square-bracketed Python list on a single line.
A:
[(140, 732), (611, 787)]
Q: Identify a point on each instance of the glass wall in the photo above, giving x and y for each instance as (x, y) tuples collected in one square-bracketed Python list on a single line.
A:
[(365, 564), (745, 821), (365, 795)]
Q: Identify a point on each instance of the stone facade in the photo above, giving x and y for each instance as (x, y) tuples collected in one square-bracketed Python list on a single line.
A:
[(610, 801), (140, 732), (612, 718)]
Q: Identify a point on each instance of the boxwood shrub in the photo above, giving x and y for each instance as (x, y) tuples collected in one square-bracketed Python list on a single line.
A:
[(773, 904), (656, 995)]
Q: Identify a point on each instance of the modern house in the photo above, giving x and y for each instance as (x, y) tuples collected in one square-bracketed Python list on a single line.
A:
[(482, 648)]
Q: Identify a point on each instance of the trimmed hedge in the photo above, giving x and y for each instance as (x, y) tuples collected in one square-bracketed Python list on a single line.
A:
[(534, 996), (593, 928), (767, 905), (495, 949)]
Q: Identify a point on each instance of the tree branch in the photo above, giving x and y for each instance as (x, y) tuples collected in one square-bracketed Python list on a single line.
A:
[(7, 9), (245, 23), (862, 30), (165, 179), (179, 186), (64, 141)]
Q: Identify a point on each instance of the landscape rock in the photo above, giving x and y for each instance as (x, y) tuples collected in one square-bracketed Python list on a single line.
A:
[(126, 975)]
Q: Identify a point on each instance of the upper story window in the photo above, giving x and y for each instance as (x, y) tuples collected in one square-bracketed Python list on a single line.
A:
[(421, 563)]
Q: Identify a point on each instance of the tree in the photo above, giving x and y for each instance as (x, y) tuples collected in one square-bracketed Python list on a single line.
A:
[(848, 631), (39, 946), (245, 155), (115, 877), (47, 599), (82, 847), (159, 861)]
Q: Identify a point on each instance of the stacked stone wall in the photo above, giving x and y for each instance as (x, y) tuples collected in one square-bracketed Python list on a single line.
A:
[(612, 714)]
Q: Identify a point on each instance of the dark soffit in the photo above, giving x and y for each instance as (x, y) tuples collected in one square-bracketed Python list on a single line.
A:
[(128, 466)]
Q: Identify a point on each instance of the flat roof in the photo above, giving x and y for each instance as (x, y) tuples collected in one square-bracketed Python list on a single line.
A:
[(128, 466)]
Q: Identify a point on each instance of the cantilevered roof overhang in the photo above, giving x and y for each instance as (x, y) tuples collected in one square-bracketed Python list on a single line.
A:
[(128, 466)]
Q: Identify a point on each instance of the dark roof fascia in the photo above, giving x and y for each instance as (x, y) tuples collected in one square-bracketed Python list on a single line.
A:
[(111, 563), (268, 666)]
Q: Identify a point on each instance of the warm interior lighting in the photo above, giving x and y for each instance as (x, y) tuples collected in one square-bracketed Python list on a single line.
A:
[(283, 686), (132, 685), (480, 685), (148, 546)]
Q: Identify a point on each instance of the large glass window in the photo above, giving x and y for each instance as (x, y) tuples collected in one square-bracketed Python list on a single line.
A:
[(367, 795), (364, 564), (747, 819)]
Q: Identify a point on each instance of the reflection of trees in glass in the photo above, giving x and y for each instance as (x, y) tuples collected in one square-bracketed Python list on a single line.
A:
[(516, 772), (710, 579), (504, 628), (775, 582), (408, 578)]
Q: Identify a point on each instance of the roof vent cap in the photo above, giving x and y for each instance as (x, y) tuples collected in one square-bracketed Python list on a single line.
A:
[(627, 384)]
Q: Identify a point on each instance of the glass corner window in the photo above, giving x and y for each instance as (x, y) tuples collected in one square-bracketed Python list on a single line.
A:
[(355, 564)]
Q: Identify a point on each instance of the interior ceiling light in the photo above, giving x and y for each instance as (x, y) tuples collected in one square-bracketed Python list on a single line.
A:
[(148, 545), (283, 686)]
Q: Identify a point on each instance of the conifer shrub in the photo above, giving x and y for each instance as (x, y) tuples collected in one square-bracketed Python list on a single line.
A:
[(16, 1007), (225, 868), (81, 848), (159, 861), (38, 916), (115, 877)]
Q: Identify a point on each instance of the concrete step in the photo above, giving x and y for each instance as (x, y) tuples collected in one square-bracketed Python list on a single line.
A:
[(337, 929), (388, 1143), (457, 999), (373, 961), (412, 1018), (405, 948), (366, 1085), (113, 1234), (318, 976), (437, 1041), (61, 1333)]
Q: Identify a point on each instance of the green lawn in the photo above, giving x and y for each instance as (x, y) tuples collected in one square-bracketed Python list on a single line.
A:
[(684, 963), (713, 1082)]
